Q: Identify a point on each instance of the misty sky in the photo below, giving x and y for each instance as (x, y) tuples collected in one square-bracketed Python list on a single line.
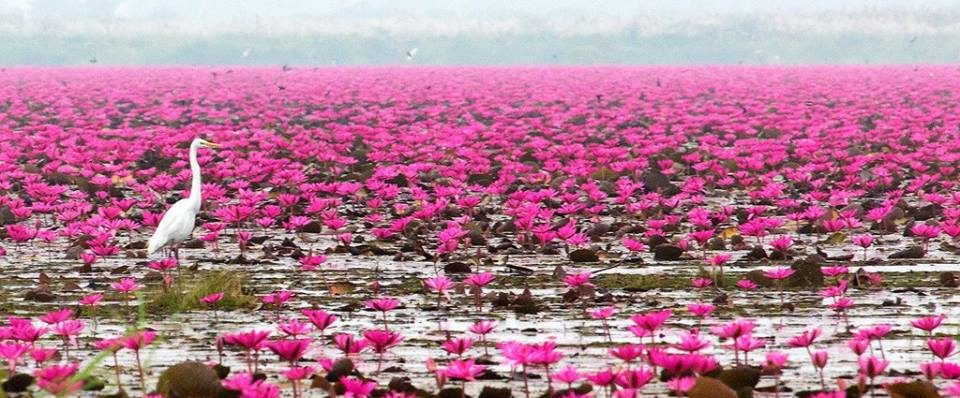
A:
[(325, 32)]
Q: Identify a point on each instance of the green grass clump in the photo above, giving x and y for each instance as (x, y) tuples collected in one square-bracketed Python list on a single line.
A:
[(639, 283), (187, 296)]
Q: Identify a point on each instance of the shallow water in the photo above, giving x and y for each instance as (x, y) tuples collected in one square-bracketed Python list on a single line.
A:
[(192, 335)]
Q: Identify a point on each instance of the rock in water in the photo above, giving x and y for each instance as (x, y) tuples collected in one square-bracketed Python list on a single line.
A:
[(716, 244), (584, 256), (18, 383), (313, 227), (913, 251), (457, 268), (707, 387), (807, 272), (493, 392), (667, 252), (915, 389), (40, 295), (525, 304), (450, 392), (757, 253), (189, 380), (6, 216), (757, 276), (949, 279), (655, 181), (342, 367), (740, 378)]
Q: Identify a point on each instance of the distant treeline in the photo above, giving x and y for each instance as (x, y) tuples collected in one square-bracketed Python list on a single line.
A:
[(720, 46)]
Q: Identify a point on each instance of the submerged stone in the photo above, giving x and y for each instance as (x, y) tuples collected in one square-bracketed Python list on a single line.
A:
[(494, 392), (740, 377), (913, 251), (667, 252), (757, 253), (584, 256), (457, 268), (807, 272), (18, 383), (707, 387), (914, 389), (189, 380)]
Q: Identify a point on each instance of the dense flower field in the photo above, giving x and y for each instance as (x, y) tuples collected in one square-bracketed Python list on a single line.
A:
[(702, 232)]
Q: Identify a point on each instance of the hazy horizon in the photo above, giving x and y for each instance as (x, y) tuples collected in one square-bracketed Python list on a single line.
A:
[(461, 32)]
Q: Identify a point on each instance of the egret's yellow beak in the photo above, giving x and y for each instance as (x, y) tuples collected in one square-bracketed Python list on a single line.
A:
[(209, 144)]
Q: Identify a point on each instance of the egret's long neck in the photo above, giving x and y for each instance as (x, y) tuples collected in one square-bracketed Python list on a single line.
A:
[(195, 173)]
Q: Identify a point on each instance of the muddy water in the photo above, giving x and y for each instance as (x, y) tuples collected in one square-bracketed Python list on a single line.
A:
[(191, 335)]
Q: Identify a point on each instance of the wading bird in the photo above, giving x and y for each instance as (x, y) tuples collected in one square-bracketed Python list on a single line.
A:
[(177, 224)]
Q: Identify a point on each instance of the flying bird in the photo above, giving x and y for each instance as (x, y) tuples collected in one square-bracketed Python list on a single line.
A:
[(246, 52), (177, 223), (412, 53)]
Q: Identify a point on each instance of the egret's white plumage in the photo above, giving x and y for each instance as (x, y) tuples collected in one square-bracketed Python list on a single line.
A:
[(177, 223)]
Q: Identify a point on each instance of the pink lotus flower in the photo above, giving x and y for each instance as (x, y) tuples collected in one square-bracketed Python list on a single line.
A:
[(319, 318), (633, 245), (212, 299), (701, 310), (778, 273), (746, 284), (251, 340), (357, 388), (819, 359), (646, 324), (294, 328), (290, 350), (871, 366), (346, 343), (781, 244), (58, 379), (12, 352), (465, 370), (834, 271), (126, 286), (58, 316), (439, 284), (457, 346), (479, 280), (627, 353), (91, 300), (311, 262), (775, 360), (804, 339), (634, 378), (942, 348), (701, 283), (858, 345), (577, 279), (383, 304), (277, 298), (928, 324), (602, 313)]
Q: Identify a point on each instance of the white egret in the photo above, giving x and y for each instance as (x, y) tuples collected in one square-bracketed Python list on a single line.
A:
[(177, 223)]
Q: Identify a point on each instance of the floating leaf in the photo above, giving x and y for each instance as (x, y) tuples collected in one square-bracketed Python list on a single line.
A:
[(837, 238), (338, 288), (729, 232)]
